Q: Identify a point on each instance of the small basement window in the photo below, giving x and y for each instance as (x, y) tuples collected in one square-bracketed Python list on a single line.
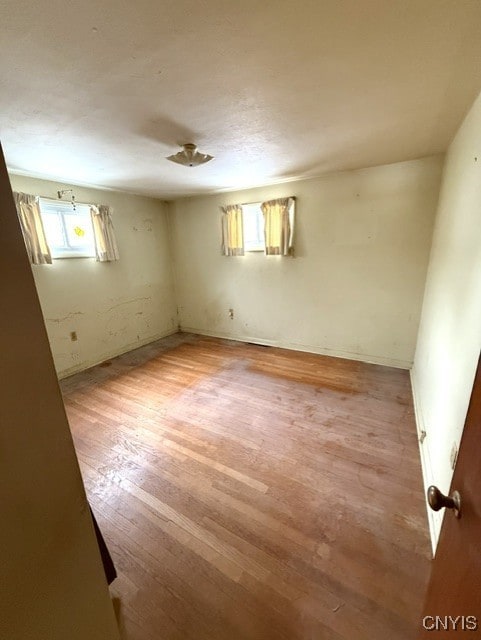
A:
[(253, 227), (69, 231), (253, 219)]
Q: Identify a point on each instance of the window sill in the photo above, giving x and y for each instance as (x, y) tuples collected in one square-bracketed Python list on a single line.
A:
[(70, 256)]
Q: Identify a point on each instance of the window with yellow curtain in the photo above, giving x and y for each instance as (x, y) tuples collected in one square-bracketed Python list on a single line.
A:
[(259, 226)]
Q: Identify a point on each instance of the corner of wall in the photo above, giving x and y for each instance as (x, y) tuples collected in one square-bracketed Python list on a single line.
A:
[(170, 211)]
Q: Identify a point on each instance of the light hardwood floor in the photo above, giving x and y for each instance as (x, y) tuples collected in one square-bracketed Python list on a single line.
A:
[(254, 493)]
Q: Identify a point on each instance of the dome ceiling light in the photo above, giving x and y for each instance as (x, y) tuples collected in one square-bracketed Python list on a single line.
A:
[(189, 156)]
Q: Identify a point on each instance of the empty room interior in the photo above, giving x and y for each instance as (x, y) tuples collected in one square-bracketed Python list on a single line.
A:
[(241, 288)]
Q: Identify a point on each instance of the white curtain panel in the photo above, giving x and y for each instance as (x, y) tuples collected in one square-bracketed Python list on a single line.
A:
[(278, 226), (105, 243), (232, 231), (28, 210)]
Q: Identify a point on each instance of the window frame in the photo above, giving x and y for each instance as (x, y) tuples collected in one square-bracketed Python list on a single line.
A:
[(259, 245), (67, 251)]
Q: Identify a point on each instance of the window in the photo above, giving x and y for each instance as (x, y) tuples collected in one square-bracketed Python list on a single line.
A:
[(253, 219), (69, 231), (253, 227)]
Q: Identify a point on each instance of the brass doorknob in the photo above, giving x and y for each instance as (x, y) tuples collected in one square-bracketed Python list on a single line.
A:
[(438, 500)]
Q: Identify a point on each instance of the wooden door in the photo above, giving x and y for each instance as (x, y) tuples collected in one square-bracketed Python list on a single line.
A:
[(455, 585)]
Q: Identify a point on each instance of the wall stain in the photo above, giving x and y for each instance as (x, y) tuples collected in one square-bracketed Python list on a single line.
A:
[(148, 227)]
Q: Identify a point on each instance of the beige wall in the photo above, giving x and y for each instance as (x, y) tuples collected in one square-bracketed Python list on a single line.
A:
[(115, 306), (354, 288), (52, 585), (450, 330)]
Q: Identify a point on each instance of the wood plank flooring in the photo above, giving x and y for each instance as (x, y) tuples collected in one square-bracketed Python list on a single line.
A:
[(251, 493)]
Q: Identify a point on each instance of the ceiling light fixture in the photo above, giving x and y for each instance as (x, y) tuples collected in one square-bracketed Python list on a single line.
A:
[(189, 156)]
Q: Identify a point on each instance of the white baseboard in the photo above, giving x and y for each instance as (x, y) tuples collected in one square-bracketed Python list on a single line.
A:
[(335, 353)]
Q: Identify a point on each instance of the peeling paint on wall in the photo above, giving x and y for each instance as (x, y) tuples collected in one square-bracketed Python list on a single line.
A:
[(121, 304), (67, 317)]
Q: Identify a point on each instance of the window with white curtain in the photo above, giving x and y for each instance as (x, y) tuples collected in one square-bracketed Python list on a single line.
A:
[(254, 221), (69, 231)]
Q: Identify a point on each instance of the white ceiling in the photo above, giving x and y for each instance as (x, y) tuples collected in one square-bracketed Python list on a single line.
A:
[(99, 91)]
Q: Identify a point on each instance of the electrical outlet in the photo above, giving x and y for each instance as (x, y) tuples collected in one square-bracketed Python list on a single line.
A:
[(231, 314), (454, 455), (73, 336)]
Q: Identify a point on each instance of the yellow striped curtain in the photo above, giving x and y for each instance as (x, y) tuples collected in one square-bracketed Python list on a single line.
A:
[(232, 231)]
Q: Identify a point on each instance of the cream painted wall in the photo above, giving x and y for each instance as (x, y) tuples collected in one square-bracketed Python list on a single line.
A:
[(113, 307), (354, 288), (449, 340), (52, 585)]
